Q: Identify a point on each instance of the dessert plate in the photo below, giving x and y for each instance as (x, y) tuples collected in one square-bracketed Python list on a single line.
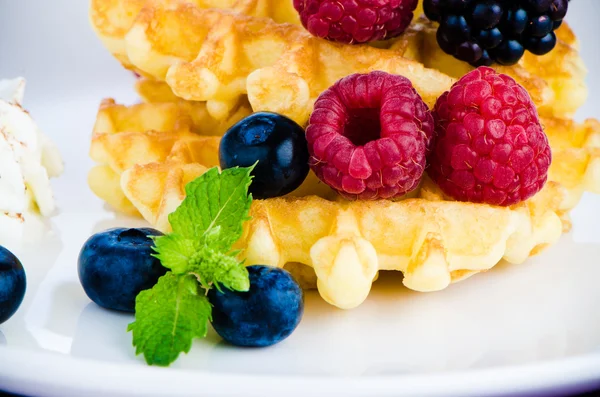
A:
[(516, 330)]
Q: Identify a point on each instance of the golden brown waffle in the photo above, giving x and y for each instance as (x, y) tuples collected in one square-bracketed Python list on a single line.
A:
[(218, 56), (112, 19), (200, 120), (126, 138), (576, 147), (133, 140), (432, 242), (430, 239), (227, 64)]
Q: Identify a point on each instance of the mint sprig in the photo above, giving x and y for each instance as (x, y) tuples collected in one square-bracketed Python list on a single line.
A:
[(198, 253), (213, 268), (216, 206), (168, 317)]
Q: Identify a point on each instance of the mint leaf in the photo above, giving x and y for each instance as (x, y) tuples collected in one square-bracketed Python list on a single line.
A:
[(174, 252), (168, 317), (214, 268), (215, 200), (198, 251)]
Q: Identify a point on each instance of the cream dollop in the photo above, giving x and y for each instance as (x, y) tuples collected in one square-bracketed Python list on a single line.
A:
[(28, 159)]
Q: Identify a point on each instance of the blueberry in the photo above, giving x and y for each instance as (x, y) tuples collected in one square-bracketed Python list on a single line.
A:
[(277, 143), (12, 284), (486, 14), (541, 45), (115, 265), (265, 315)]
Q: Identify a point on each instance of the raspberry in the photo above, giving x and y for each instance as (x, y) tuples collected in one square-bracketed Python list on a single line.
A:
[(490, 145), (485, 31), (355, 21), (369, 135)]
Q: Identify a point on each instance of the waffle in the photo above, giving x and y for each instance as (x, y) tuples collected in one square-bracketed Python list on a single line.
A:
[(240, 53), (205, 68), (433, 242), (157, 138), (430, 239), (217, 56), (112, 19), (576, 146)]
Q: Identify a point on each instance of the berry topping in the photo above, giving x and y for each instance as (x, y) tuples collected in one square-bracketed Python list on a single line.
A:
[(486, 15), (12, 284), (541, 45), (116, 265), (279, 146), (355, 21), (482, 32), (266, 314), (368, 136), (490, 145)]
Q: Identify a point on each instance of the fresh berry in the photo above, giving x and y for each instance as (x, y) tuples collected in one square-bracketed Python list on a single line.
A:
[(116, 265), (368, 136), (508, 52), (482, 32), (356, 21), (265, 315), (486, 15), (277, 143), (490, 146), (12, 284), (515, 22), (541, 45)]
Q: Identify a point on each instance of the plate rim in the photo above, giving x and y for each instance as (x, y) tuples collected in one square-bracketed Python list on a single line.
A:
[(55, 374)]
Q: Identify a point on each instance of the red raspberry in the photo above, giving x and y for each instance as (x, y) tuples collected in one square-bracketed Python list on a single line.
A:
[(490, 145), (369, 135), (356, 21)]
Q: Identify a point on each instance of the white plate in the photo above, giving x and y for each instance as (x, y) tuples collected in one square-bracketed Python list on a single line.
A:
[(517, 329)]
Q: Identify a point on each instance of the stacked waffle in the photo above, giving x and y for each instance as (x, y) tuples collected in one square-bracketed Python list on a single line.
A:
[(205, 68)]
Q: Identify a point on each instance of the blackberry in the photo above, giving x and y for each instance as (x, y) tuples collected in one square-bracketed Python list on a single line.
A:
[(482, 32)]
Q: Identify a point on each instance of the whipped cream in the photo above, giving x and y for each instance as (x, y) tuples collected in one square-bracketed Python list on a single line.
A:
[(27, 162)]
